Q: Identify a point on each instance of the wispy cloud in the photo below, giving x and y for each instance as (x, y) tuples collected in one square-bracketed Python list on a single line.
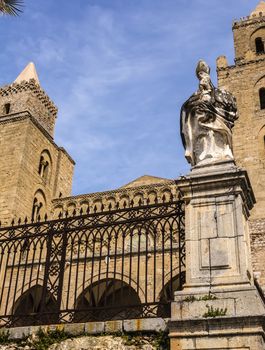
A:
[(119, 72)]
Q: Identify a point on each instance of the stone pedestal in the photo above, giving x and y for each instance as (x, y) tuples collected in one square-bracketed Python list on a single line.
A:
[(219, 307)]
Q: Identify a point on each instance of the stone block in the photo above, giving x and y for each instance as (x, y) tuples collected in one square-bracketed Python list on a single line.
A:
[(145, 324), (94, 327), (74, 328), (196, 309), (19, 332), (113, 326), (55, 327)]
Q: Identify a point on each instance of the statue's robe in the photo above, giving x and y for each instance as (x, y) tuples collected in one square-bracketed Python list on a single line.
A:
[(206, 120)]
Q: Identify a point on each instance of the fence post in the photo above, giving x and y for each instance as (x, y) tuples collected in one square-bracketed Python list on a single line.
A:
[(54, 268)]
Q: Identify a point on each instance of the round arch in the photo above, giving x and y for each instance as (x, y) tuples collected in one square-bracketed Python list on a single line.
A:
[(28, 306), (38, 205), (45, 165), (256, 40), (107, 299), (166, 296)]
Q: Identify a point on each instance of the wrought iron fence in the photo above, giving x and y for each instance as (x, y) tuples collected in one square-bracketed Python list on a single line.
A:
[(115, 264)]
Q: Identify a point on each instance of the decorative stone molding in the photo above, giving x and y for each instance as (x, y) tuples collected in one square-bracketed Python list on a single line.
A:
[(126, 197)]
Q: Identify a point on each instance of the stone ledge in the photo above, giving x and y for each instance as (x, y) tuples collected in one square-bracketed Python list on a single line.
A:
[(219, 326), (244, 302), (117, 326)]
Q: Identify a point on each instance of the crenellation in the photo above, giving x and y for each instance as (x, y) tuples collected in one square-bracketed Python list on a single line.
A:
[(28, 96)]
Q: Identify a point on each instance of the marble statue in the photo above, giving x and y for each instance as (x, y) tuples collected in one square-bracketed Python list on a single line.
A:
[(207, 119)]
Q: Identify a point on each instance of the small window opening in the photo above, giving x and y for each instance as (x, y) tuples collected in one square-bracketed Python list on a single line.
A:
[(7, 108), (259, 45), (36, 210), (43, 168), (41, 164), (262, 98)]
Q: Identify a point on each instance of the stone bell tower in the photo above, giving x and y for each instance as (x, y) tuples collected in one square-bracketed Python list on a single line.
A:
[(33, 169), (246, 81)]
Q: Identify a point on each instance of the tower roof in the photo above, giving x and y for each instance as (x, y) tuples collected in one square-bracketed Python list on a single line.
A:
[(259, 9), (29, 72)]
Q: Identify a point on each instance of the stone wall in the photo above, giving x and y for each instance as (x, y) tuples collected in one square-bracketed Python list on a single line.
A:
[(248, 134), (22, 142), (12, 141), (146, 334), (257, 230), (244, 80), (245, 32), (92, 343)]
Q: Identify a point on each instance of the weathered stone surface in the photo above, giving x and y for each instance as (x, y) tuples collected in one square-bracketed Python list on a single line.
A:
[(23, 141), (244, 79), (207, 118), (91, 343), (98, 343), (148, 324)]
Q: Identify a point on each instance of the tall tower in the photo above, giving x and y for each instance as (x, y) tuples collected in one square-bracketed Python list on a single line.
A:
[(246, 80), (33, 169)]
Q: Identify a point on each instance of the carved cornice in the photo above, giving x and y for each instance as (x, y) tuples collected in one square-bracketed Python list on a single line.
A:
[(119, 191), (33, 87)]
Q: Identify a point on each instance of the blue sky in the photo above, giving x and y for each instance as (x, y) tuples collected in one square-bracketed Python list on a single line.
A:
[(119, 71)]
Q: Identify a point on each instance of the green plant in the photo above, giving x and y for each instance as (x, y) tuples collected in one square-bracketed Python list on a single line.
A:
[(214, 312), (11, 7), (208, 297), (45, 339), (159, 340), (4, 337), (162, 341), (192, 298)]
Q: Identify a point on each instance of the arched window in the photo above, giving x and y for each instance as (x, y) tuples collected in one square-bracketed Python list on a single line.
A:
[(259, 45), (262, 98), (38, 207), (7, 108), (44, 165)]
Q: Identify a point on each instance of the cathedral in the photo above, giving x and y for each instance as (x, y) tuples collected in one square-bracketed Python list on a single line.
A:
[(35, 198), (36, 174)]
